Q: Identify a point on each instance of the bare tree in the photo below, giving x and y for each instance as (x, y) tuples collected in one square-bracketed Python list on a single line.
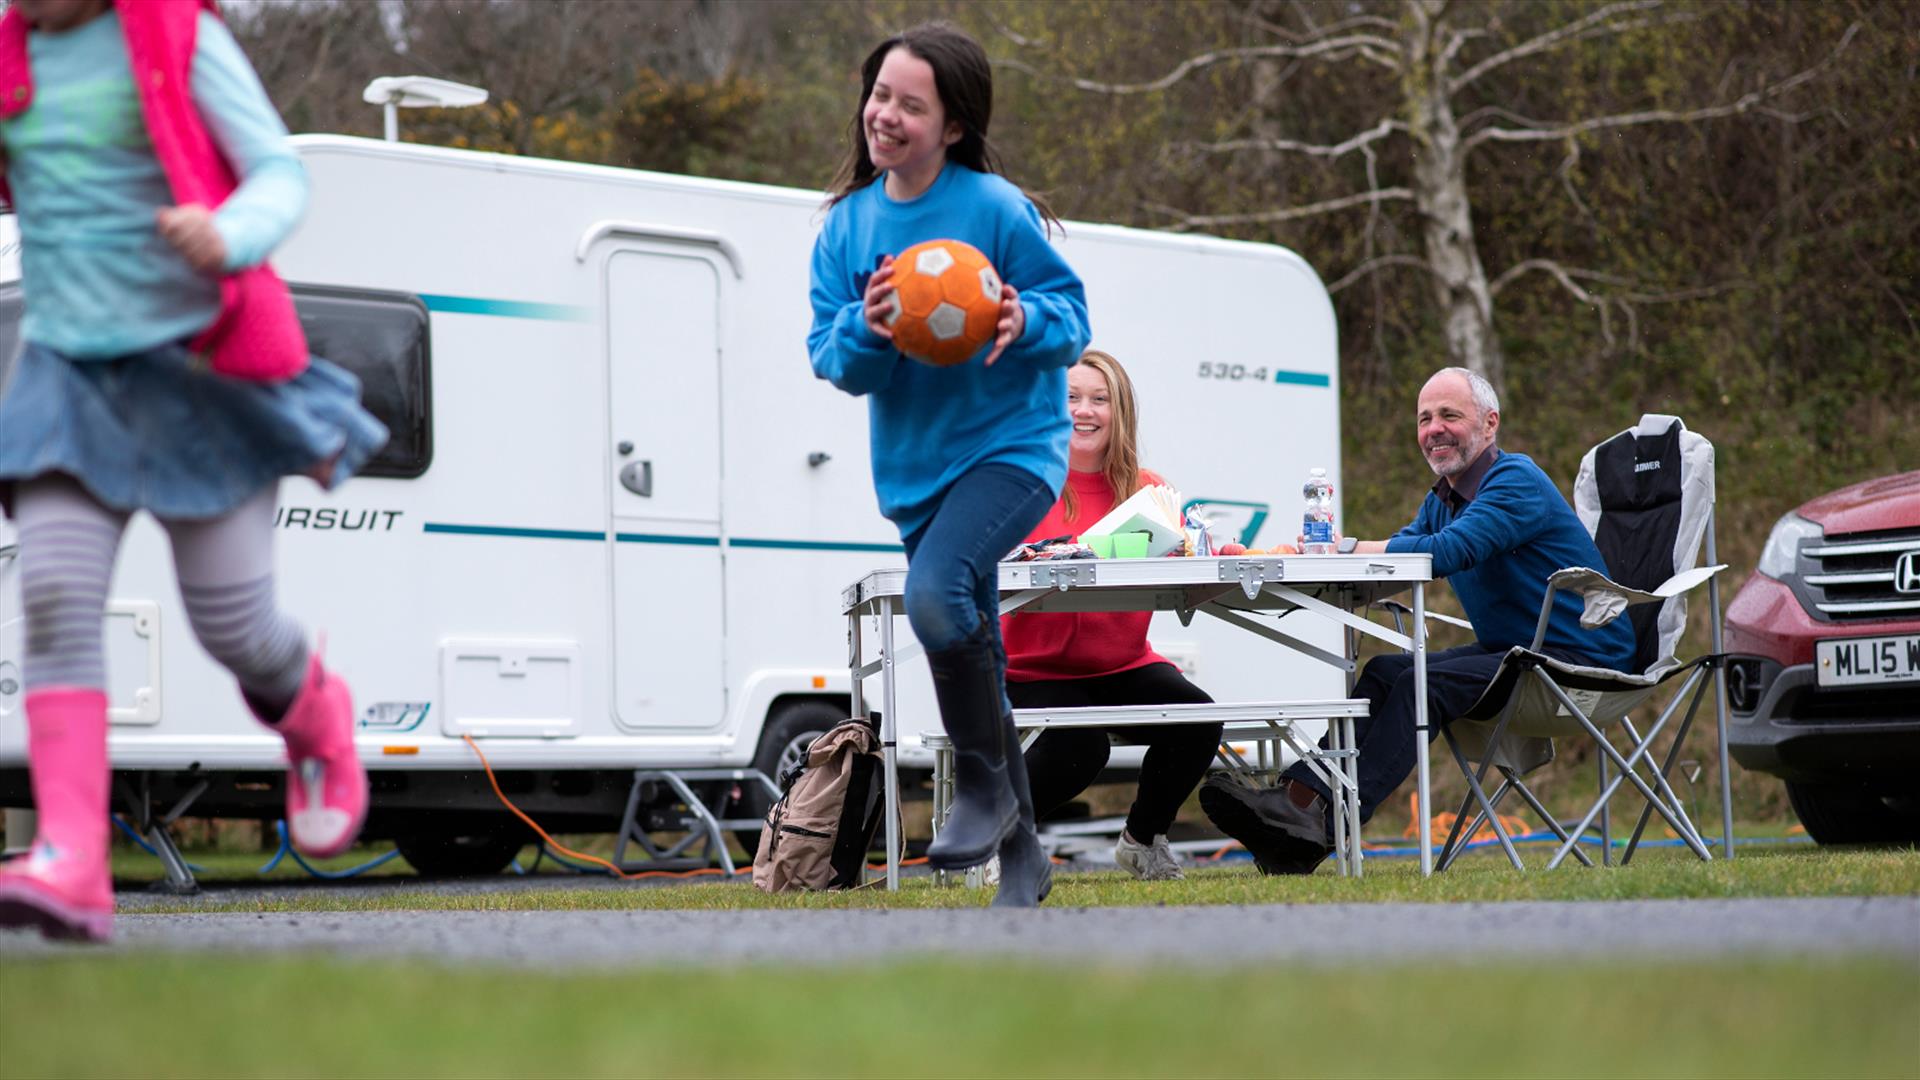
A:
[(1436, 52), (314, 57)]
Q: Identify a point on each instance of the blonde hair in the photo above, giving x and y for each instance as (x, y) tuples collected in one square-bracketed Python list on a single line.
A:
[(1122, 468)]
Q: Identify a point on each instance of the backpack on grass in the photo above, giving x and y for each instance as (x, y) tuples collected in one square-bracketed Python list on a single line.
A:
[(818, 834)]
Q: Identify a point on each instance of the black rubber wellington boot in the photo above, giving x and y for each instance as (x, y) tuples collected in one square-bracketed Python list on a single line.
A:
[(1026, 874), (984, 810)]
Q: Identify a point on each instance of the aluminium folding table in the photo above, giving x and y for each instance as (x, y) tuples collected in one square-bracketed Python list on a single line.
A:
[(1232, 589)]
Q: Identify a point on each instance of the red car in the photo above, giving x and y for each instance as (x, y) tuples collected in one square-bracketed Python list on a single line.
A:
[(1824, 662)]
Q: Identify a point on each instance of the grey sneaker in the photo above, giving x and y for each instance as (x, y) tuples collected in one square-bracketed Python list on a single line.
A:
[(1147, 862)]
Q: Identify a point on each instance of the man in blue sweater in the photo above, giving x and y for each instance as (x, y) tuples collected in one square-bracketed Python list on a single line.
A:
[(1497, 528)]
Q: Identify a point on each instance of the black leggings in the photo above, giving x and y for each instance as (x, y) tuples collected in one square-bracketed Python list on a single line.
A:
[(1062, 762)]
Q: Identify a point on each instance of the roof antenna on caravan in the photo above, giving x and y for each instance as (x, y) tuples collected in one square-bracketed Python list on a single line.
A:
[(396, 92)]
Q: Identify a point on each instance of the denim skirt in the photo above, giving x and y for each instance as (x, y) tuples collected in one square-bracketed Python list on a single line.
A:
[(156, 431)]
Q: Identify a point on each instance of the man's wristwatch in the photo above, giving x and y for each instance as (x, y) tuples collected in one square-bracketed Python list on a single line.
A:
[(1347, 544)]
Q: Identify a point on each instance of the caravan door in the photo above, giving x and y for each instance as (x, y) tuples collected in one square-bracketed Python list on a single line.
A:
[(663, 355)]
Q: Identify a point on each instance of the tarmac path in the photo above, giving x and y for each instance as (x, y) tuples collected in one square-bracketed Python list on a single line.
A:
[(1320, 934)]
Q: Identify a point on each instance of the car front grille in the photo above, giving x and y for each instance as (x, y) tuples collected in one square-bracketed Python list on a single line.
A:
[(1858, 576)]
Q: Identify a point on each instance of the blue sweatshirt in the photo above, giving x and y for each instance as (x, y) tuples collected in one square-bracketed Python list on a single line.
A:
[(930, 425), (1498, 552), (99, 280)]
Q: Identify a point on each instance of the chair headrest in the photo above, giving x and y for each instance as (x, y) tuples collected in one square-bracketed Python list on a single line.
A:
[(1655, 424)]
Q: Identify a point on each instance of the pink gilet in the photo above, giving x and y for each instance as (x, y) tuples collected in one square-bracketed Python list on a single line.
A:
[(257, 333)]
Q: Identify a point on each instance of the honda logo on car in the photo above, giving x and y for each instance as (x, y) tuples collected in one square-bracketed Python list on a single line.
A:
[(1906, 573)]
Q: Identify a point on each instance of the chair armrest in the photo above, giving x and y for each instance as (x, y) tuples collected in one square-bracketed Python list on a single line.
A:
[(1400, 609), (1687, 580), (1606, 598)]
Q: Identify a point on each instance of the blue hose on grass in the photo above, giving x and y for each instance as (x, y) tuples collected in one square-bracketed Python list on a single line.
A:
[(1541, 837), (1548, 837), (149, 848), (286, 849)]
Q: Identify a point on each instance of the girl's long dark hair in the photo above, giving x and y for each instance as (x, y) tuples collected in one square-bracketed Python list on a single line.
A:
[(964, 80)]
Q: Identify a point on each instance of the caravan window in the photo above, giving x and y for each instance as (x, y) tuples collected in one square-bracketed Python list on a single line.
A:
[(382, 338), (379, 336)]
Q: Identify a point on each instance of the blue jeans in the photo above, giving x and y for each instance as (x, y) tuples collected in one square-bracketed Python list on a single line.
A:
[(1456, 678), (953, 560)]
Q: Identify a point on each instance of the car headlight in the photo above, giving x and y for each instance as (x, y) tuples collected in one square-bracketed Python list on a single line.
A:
[(1782, 552)]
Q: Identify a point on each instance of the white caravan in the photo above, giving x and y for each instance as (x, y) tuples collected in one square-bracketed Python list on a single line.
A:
[(618, 511)]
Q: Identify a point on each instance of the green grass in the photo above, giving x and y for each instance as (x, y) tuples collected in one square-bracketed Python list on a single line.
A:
[(918, 1016), (1482, 877), (107, 1015)]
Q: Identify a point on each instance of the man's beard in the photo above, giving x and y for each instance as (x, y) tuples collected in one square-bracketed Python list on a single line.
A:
[(1465, 455)]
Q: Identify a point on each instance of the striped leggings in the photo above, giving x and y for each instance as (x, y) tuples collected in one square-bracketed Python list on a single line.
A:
[(68, 542)]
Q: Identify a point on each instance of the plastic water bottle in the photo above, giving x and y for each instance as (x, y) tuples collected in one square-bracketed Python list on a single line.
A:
[(1316, 525)]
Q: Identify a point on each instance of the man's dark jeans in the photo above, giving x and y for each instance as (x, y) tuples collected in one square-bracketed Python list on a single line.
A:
[(1456, 678)]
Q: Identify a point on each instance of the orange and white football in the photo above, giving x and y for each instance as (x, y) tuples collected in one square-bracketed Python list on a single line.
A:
[(946, 302)]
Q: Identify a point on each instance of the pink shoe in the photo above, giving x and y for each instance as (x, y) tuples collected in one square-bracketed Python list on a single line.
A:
[(63, 888), (326, 786)]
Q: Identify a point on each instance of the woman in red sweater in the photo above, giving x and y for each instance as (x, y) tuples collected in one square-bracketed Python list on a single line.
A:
[(1103, 658)]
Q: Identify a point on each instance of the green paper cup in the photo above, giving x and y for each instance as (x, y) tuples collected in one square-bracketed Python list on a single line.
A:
[(1102, 545), (1130, 545)]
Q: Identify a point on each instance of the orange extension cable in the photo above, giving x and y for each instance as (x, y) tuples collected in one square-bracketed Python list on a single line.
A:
[(557, 845), (1443, 824), (595, 859)]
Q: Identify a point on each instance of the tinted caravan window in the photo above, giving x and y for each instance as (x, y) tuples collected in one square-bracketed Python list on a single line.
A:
[(382, 338), (379, 336)]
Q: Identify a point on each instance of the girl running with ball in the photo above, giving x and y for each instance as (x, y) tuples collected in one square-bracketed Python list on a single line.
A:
[(966, 459)]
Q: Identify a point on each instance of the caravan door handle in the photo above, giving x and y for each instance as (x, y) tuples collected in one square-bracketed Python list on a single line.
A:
[(637, 477)]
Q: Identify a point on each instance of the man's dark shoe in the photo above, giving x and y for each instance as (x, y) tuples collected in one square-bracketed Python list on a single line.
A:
[(1281, 837), (1309, 860)]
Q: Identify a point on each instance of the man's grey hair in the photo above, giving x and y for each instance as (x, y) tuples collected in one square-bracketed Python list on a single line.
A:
[(1484, 395)]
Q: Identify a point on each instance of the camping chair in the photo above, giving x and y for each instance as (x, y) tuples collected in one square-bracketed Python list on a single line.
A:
[(1646, 495)]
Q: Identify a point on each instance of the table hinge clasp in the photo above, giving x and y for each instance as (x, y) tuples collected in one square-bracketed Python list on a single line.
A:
[(1063, 575), (1252, 574)]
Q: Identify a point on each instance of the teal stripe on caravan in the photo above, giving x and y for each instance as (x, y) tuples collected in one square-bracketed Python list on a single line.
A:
[(502, 530), (1302, 378), (816, 545), (513, 309), (661, 538)]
